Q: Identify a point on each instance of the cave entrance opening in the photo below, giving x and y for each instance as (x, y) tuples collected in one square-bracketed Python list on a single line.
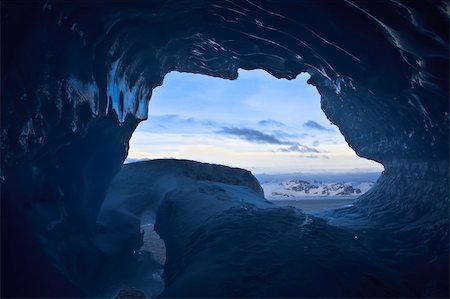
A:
[(257, 122), (273, 127)]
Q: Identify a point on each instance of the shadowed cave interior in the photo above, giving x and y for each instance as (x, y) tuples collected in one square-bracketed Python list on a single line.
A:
[(76, 81)]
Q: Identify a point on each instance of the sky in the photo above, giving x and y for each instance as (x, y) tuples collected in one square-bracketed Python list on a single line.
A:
[(256, 122)]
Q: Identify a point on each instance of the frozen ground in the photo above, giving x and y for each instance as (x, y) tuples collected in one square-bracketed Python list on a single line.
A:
[(223, 238), (155, 245)]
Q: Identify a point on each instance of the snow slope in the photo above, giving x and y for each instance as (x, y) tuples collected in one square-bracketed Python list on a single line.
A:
[(224, 239)]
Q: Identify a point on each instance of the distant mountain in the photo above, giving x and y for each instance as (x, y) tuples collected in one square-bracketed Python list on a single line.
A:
[(293, 186), (355, 178)]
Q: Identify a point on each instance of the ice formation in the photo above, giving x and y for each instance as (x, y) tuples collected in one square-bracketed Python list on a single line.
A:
[(224, 239), (77, 78)]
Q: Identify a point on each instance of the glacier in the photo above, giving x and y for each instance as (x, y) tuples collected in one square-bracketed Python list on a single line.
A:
[(76, 80)]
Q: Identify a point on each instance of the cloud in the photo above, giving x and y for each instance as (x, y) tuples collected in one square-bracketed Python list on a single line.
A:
[(316, 156), (313, 125), (252, 135), (271, 122), (175, 118), (283, 135), (256, 136), (177, 124), (299, 148), (316, 143)]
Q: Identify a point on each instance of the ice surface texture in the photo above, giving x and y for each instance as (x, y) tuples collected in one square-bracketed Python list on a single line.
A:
[(223, 239), (77, 78)]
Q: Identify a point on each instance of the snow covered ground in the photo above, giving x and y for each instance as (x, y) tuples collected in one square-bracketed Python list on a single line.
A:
[(222, 238)]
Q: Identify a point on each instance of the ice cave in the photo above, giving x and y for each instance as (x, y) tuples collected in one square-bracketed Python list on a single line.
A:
[(77, 78)]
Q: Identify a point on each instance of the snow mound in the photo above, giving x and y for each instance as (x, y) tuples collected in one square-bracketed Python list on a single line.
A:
[(224, 239)]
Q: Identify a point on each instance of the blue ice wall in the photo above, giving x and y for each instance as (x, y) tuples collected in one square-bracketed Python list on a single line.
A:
[(77, 78)]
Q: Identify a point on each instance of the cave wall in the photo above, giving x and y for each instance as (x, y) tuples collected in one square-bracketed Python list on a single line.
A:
[(77, 78)]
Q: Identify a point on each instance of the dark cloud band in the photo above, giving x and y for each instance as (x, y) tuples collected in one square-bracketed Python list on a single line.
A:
[(256, 136), (313, 125), (252, 135)]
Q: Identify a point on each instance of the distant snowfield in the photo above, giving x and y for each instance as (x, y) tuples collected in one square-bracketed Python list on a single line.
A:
[(316, 186)]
